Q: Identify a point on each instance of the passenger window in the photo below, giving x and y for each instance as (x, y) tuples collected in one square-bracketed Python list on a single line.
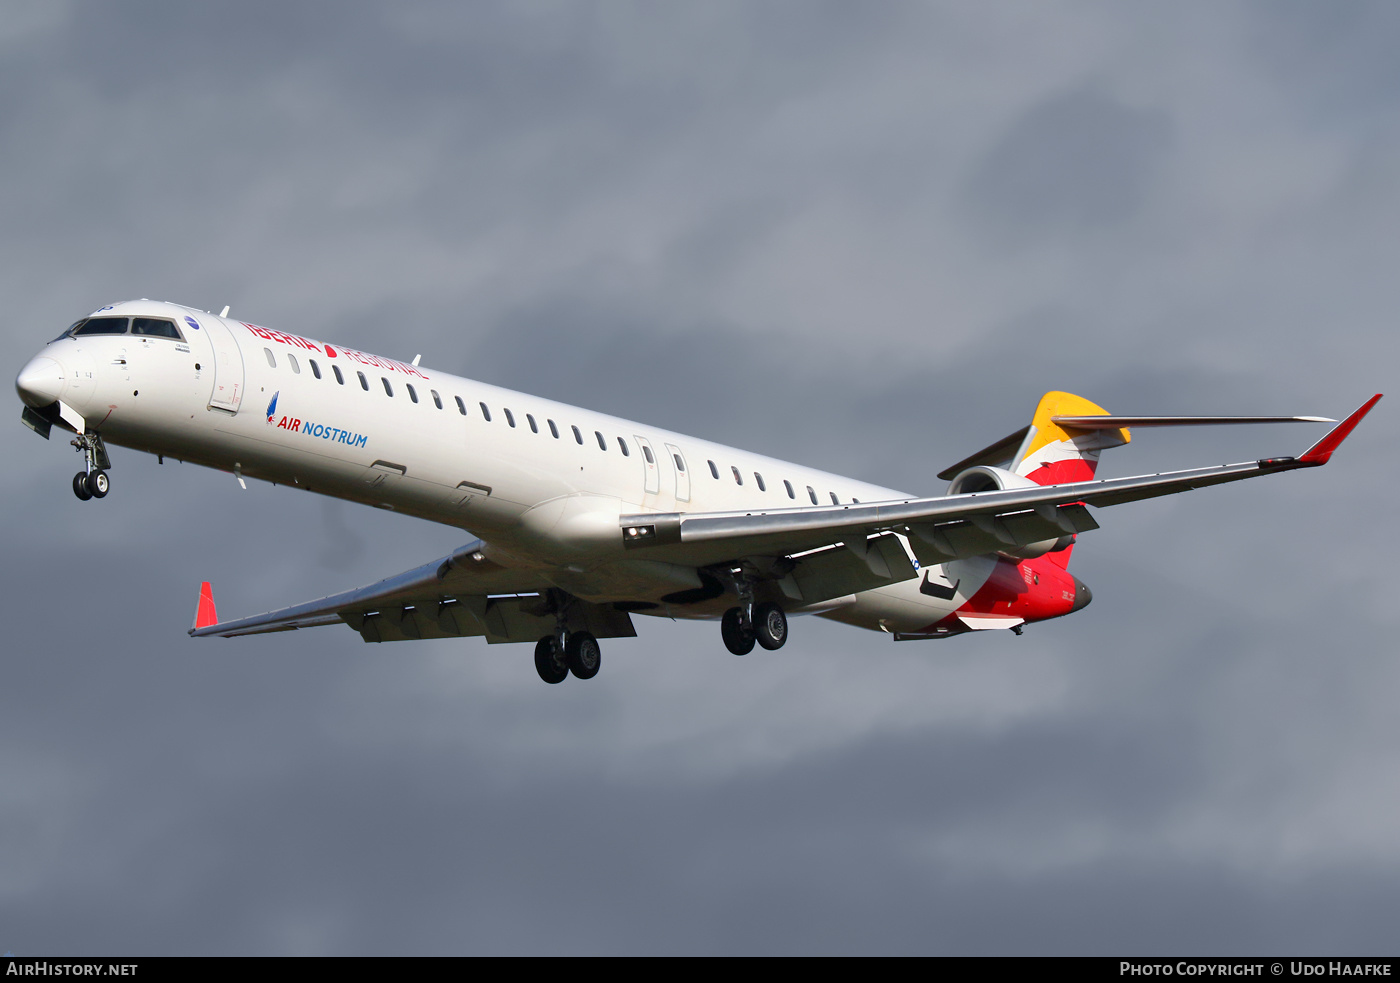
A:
[(271, 361), (834, 499), (510, 417), (602, 441), (738, 478), (339, 379), (812, 494), (713, 470), (530, 419), (155, 326), (292, 361), (412, 393), (622, 445), (855, 501), (680, 465), (100, 325), (315, 369), (646, 453), (364, 383), (553, 429), (388, 390), (759, 478), (577, 436), (437, 400), (461, 406), (485, 413), (788, 485)]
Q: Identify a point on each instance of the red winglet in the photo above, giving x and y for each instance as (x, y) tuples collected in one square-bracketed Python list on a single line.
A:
[(1320, 452), (205, 615)]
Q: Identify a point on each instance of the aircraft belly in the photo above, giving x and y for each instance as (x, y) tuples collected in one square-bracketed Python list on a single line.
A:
[(913, 606)]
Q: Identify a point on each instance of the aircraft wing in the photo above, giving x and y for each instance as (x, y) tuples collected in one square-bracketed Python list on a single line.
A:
[(461, 594), (939, 529)]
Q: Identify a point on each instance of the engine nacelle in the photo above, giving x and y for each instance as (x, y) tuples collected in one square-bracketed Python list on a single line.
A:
[(983, 478), (1009, 535)]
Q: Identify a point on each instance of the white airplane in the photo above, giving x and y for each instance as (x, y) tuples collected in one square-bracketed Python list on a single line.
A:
[(586, 519)]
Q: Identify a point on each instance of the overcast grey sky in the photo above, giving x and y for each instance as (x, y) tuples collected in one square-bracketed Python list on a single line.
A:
[(865, 237)]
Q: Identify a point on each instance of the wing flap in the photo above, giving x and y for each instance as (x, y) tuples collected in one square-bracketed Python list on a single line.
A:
[(851, 568)]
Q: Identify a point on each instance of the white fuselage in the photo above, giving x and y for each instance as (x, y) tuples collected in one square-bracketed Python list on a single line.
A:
[(543, 483)]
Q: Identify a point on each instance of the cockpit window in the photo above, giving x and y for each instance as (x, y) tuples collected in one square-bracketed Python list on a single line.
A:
[(157, 326), (99, 325)]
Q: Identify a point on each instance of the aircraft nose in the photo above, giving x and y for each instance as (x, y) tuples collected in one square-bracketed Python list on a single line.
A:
[(40, 382), (1082, 595)]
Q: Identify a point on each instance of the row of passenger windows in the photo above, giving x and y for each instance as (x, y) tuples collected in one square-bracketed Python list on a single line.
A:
[(534, 425), (461, 405), (787, 485)]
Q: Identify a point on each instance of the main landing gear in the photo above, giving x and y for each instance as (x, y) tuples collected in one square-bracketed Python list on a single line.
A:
[(767, 626), (92, 481), (579, 653)]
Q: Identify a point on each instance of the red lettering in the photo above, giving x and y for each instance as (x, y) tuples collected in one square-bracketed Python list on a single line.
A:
[(282, 424), (296, 425)]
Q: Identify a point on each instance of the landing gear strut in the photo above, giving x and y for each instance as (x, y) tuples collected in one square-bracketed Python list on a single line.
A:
[(92, 481)]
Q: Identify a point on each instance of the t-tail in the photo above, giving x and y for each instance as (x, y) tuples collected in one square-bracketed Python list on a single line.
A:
[(1053, 453)]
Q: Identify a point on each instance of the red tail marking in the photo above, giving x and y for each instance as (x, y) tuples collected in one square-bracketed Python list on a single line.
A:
[(1320, 452), (1064, 472), (205, 615)]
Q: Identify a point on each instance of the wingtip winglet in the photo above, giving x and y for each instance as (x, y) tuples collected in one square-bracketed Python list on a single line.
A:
[(1320, 452), (205, 615)]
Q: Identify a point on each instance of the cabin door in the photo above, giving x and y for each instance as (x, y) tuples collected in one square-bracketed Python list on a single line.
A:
[(228, 366)]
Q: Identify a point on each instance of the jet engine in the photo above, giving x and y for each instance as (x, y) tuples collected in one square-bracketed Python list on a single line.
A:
[(1019, 534)]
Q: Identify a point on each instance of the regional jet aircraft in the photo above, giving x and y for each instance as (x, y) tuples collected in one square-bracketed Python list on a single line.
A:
[(582, 520)]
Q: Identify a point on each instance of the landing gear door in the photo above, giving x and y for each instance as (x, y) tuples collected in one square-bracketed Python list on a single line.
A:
[(653, 473), (228, 366), (682, 473)]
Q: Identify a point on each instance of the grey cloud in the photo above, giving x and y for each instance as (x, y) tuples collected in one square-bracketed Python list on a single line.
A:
[(864, 241), (1076, 162)]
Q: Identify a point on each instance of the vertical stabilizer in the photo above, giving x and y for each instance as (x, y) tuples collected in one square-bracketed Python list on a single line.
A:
[(1053, 455)]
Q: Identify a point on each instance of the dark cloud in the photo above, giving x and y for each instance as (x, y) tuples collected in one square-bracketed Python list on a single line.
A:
[(1076, 162), (862, 240)]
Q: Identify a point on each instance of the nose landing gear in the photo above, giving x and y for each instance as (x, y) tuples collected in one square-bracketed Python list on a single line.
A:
[(92, 482)]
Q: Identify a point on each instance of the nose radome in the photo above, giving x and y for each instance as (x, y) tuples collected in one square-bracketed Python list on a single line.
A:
[(1082, 595), (40, 382)]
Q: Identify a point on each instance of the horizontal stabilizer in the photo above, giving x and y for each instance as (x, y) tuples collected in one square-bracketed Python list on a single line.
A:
[(1117, 422)]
